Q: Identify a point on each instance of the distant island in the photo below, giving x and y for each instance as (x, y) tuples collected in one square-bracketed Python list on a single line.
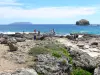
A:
[(21, 23), (83, 22)]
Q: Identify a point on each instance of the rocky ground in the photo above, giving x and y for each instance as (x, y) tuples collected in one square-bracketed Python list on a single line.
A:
[(51, 59), (10, 61), (85, 46), (85, 51)]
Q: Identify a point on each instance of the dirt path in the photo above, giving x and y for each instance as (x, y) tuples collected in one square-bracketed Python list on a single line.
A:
[(6, 65)]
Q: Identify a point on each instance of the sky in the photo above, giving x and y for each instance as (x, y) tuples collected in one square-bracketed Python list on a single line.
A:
[(49, 11)]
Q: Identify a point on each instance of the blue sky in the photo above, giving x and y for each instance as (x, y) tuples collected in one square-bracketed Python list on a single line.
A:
[(49, 11)]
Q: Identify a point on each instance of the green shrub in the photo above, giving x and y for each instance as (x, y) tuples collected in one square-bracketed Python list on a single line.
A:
[(57, 50), (80, 71), (40, 74), (66, 54), (56, 54)]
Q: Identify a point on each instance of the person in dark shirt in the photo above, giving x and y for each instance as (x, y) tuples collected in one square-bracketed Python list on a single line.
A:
[(34, 30), (34, 37), (38, 33)]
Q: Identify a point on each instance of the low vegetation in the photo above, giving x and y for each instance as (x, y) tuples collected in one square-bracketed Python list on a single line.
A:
[(38, 50), (57, 50), (79, 71), (56, 54)]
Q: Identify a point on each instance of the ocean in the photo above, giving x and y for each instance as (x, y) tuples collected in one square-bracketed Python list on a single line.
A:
[(62, 29)]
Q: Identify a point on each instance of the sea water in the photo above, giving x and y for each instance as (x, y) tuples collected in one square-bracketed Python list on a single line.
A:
[(45, 28)]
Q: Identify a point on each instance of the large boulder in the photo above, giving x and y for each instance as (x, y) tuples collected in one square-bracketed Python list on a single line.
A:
[(49, 65), (82, 59), (12, 47), (82, 22)]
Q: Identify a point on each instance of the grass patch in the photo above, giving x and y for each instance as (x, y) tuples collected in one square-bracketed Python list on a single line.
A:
[(38, 50), (80, 71), (56, 50), (40, 74), (56, 54)]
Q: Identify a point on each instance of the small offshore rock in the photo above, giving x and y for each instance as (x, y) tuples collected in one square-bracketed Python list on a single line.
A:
[(82, 22)]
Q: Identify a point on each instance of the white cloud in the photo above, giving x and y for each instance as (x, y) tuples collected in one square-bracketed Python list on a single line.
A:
[(47, 12), (9, 2)]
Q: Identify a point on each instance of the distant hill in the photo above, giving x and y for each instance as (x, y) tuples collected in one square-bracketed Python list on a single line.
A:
[(21, 23)]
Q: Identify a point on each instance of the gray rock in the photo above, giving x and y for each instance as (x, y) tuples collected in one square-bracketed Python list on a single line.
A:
[(5, 73), (82, 59), (20, 39), (18, 35), (12, 40), (40, 37), (3, 40), (86, 46), (97, 60), (97, 70), (12, 47), (94, 44), (29, 36), (71, 37), (22, 72), (49, 65), (25, 72), (81, 45)]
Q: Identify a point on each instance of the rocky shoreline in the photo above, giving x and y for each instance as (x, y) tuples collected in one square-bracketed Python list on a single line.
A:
[(48, 54)]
